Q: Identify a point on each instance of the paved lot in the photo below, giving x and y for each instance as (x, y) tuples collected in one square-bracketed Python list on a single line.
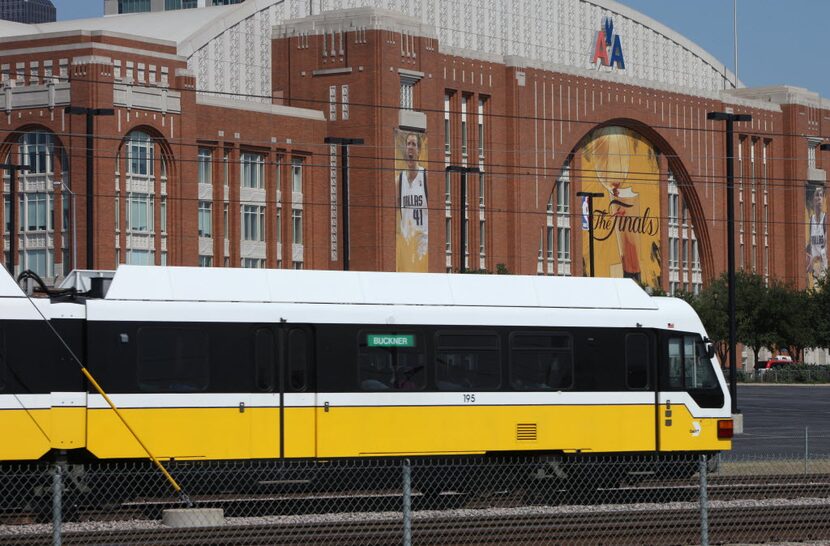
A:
[(775, 418)]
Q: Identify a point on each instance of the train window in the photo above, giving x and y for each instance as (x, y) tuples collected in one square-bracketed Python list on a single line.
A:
[(541, 361), (675, 363), (688, 360), (264, 359), (636, 361), (173, 359), (391, 361), (702, 373), (467, 361), (2, 361), (298, 350), (690, 368)]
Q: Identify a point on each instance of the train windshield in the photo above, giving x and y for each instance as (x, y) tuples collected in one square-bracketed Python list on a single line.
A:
[(690, 369)]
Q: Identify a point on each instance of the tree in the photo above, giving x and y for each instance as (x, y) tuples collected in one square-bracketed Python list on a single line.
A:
[(820, 312), (795, 328), (710, 305), (757, 314)]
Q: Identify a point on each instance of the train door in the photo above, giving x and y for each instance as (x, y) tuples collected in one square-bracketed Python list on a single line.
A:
[(297, 414), (688, 389), (266, 401), (639, 432)]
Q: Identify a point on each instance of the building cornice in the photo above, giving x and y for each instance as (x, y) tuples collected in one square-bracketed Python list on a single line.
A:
[(345, 20), (221, 101), (96, 47)]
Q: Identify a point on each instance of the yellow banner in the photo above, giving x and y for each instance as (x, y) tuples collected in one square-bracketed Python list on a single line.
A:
[(622, 166)]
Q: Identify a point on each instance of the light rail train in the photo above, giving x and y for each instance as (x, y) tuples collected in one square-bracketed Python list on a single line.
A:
[(229, 364)]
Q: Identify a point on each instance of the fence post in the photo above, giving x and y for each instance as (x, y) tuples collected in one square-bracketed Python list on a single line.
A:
[(57, 500), (407, 503), (806, 448), (704, 503)]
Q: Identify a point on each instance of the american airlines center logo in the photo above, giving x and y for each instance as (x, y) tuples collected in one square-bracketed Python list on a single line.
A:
[(607, 47)]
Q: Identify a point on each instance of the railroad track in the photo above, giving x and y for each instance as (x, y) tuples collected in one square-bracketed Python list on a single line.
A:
[(622, 528), (251, 505), (588, 520)]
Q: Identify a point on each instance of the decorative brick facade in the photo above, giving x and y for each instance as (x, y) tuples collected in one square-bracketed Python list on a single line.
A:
[(365, 74)]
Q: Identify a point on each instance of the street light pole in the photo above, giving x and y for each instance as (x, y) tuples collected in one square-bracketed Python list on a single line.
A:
[(730, 119), (590, 196), (12, 207), (463, 208), (64, 187), (344, 176), (90, 114)]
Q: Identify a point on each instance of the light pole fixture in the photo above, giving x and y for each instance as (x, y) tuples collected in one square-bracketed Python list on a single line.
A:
[(65, 188), (90, 114), (463, 208), (12, 207), (344, 188), (590, 195), (730, 119)]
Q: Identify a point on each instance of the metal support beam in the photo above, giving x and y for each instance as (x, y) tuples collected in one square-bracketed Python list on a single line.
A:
[(90, 114), (344, 188), (730, 119)]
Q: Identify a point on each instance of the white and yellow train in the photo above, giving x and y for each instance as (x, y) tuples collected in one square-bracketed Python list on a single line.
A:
[(221, 364)]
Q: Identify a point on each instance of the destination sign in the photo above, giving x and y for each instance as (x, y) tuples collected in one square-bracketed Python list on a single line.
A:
[(390, 340)]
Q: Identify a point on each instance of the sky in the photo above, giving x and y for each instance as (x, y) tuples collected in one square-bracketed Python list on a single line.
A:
[(780, 41)]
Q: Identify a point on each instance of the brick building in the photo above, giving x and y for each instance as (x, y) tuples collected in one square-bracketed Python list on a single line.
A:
[(216, 153)]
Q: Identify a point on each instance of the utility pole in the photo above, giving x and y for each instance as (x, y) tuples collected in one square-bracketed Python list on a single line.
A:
[(590, 196), (12, 208), (90, 114), (344, 188), (730, 119)]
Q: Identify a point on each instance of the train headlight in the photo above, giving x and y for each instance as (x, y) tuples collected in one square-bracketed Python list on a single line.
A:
[(725, 429)]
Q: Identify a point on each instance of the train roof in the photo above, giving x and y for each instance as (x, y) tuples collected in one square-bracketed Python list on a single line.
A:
[(191, 284), (8, 288)]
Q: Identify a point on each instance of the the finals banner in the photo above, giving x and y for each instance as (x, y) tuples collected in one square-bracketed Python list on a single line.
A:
[(622, 166)]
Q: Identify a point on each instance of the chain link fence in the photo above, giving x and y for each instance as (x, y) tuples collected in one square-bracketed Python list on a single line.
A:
[(567, 500)]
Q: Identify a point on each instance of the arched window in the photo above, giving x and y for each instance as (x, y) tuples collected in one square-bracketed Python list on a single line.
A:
[(144, 186), (43, 206)]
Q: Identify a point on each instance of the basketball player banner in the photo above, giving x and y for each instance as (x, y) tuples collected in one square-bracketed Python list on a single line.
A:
[(411, 209), (815, 208)]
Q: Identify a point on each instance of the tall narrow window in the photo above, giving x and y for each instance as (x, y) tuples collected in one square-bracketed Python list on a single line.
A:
[(297, 175), (464, 135), (481, 128), (163, 213), (740, 176), (447, 126), (205, 219), (205, 176), (563, 222), (408, 92), (550, 223), (297, 211), (297, 226)]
